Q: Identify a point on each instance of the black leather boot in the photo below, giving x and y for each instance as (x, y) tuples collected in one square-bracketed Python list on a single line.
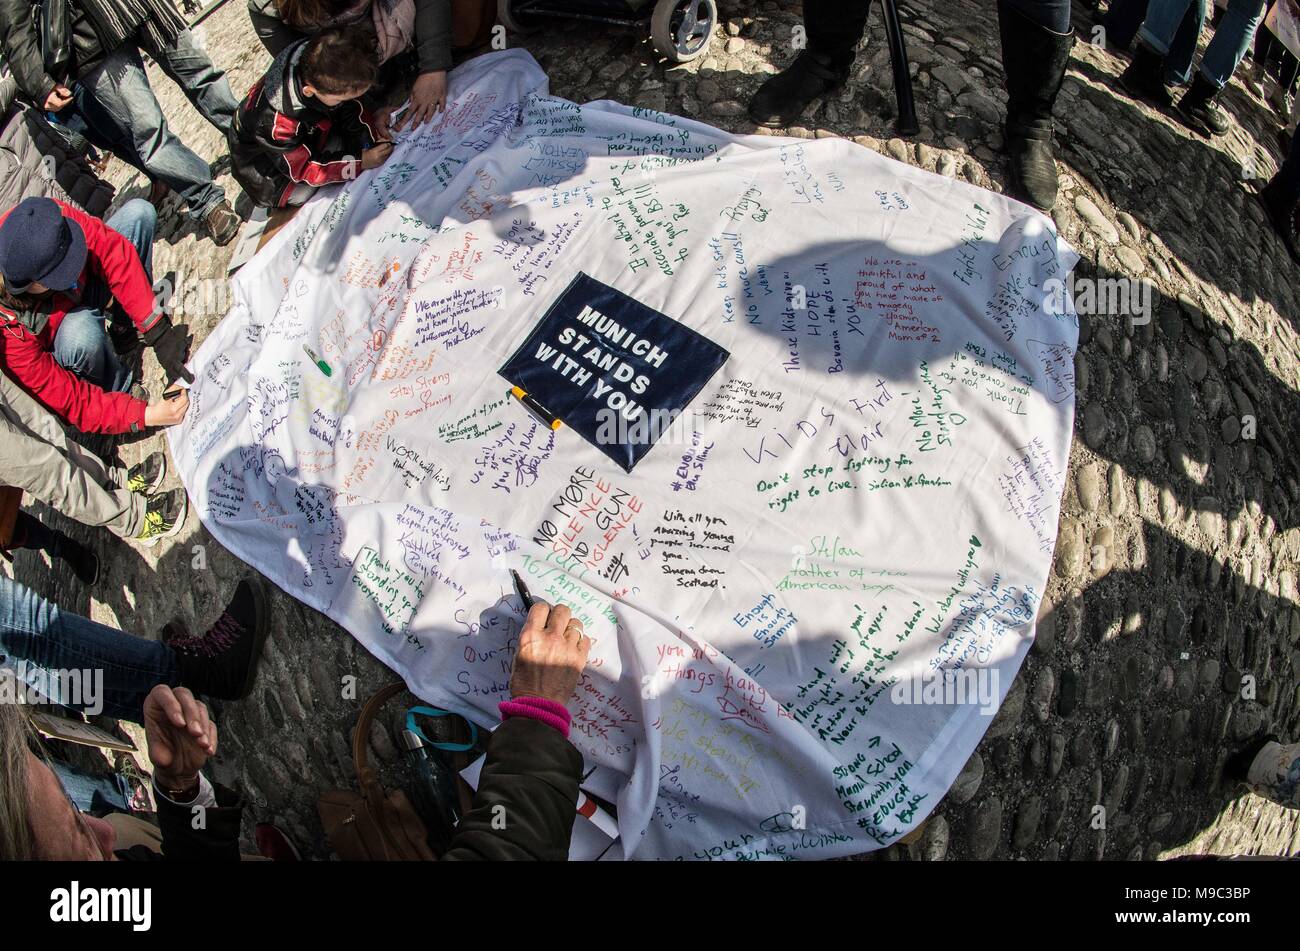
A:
[(783, 98), (1282, 213), (1144, 79), (1034, 60), (1200, 110)]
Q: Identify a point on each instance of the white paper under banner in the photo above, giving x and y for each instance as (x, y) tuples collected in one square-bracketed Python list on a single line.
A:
[(861, 498)]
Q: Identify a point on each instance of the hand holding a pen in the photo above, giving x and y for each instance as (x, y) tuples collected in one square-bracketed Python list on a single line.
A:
[(551, 656), (168, 411)]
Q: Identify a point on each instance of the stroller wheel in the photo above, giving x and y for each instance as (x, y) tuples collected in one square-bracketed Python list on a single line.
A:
[(508, 15), (681, 29)]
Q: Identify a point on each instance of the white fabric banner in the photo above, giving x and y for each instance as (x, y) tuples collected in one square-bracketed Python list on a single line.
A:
[(810, 596)]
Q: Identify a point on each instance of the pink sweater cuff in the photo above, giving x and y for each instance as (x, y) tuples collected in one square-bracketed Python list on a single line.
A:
[(553, 714)]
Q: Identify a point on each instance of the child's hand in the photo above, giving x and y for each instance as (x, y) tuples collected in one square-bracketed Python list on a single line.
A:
[(376, 155), (428, 96)]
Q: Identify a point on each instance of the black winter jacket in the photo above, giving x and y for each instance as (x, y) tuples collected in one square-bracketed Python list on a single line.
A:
[(30, 148), (21, 45), (281, 137), (532, 773)]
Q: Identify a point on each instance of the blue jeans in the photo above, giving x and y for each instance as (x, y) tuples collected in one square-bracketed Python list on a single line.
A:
[(81, 344), (1172, 28), (119, 87), (204, 85), (1235, 33), (36, 631), (97, 795)]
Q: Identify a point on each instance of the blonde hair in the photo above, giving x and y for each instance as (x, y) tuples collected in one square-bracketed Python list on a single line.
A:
[(15, 735)]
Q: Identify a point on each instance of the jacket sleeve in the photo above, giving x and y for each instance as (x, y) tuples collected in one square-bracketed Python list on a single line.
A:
[(62, 392), (526, 800), (217, 840), (433, 34), (274, 33), (118, 263), (297, 158), (22, 51)]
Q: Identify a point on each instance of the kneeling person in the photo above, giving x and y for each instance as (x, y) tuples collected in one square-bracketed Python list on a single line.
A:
[(302, 125)]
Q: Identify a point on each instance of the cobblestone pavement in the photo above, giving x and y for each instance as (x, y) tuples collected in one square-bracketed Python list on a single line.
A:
[(1175, 572)]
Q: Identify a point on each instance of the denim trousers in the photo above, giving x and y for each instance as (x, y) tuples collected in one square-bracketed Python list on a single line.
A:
[(1232, 37), (36, 631), (1172, 28), (116, 95), (82, 344)]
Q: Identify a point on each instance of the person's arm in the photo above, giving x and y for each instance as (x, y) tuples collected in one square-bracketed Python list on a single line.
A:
[(118, 263), (285, 136), (213, 839), (433, 35), (526, 800), (198, 821), (66, 395), (528, 790), (274, 33), (22, 51)]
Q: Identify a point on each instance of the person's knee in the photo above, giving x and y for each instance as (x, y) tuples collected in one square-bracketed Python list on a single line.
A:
[(136, 218), (79, 342)]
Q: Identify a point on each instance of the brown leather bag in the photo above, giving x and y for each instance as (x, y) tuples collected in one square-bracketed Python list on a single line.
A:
[(374, 824)]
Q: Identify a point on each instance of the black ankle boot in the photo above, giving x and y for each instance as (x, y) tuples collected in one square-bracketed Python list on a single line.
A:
[(223, 662), (83, 562), (783, 98), (1199, 109), (1034, 60), (1144, 79)]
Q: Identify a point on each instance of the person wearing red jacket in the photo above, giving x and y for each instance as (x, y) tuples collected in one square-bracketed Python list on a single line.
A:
[(60, 271)]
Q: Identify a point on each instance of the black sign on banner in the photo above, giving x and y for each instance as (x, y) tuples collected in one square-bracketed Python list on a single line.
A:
[(612, 369)]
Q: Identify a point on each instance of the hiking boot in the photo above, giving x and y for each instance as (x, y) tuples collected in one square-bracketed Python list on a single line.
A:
[(1144, 79), (145, 477), (222, 223), (783, 98), (1282, 213), (164, 517), (1199, 110), (223, 662), (1034, 59)]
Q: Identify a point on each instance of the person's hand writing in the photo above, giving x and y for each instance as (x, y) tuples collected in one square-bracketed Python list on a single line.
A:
[(167, 412), (552, 653), (180, 736), (376, 155)]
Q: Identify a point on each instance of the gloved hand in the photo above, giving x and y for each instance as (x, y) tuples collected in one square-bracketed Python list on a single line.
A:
[(171, 345)]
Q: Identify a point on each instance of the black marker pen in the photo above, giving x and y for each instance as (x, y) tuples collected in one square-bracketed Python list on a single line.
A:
[(524, 594)]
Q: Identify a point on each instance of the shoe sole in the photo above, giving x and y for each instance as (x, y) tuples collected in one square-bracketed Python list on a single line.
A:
[(261, 628), (176, 526)]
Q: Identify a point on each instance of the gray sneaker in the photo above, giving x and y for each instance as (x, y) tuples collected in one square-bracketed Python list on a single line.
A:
[(164, 517)]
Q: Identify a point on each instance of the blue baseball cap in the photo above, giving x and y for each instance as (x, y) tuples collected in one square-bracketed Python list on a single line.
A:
[(38, 244)]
